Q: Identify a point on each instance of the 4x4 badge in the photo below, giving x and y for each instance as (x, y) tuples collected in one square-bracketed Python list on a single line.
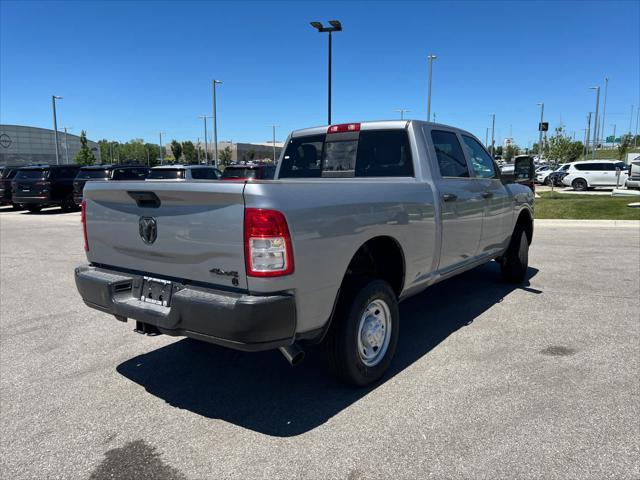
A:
[(148, 228)]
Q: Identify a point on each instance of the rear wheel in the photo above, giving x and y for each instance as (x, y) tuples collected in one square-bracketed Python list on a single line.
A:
[(364, 334), (68, 205), (515, 261), (547, 181), (34, 208), (579, 184)]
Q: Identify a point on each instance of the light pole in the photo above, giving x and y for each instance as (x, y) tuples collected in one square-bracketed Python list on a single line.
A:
[(595, 122), (161, 156), (431, 58), (486, 137), (402, 112), (614, 134), (588, 134), (540, 149), (66, 145), (55, 126), (604, 110), (206, 153), (493, 138), (336, 26), (631, 121), (215, 123), (273, 127)]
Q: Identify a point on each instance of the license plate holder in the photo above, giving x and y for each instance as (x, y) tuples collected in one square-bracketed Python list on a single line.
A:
[(156, 291)]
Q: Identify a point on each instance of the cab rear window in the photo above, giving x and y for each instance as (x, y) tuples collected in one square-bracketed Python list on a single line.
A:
[(32, 174), (372, 153)]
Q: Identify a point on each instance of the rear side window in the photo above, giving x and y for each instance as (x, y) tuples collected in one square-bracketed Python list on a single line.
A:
[(451, 159), (590, 166), (481, 161), (302, 157), (130, 173), (92, 173), (384, 153), (239, 173), (204, 174)]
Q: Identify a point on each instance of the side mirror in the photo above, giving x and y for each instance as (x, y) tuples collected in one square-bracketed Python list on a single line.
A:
[(523, 172)]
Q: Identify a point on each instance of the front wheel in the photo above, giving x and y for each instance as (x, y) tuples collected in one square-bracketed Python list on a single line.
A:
[(363, 338), (515, 261)]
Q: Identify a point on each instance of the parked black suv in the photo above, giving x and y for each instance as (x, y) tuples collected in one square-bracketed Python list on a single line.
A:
[(44, 186), (6, 176), (106, 172)]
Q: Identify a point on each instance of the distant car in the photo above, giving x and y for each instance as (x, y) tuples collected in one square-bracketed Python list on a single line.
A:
[(106, 172), (595, 173), (6, 176), (633, 180), (249, 171), (41, 186), (549, 177), (184, 172)]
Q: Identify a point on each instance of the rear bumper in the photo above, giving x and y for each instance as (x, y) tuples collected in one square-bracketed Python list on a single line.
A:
[(41, 200), (235, 320)]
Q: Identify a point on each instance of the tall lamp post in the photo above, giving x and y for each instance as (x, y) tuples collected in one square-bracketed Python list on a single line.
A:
[(215, 123), (540, 149), (206, 153), (55, 126), (588, 135), (402, 112), (604, 111), (595, 122), (66, 145), (273, 129), (431, 58), (336, 26)]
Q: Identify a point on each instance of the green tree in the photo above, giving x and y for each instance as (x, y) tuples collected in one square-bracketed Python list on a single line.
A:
[(510, 152), (625, 144), (251, 154), (154, 153), (189, 152), (85, 156), (176, 148), (563, 149), (225, 155), (105, 155)]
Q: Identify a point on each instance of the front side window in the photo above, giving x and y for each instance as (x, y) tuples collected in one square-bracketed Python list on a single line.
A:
[(451, 159), (481, 161), (204, 174)]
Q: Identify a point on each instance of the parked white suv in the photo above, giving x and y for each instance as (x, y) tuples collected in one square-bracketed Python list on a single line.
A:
[(595, 173)]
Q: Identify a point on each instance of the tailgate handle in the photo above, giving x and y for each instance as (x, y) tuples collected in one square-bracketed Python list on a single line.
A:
[(145, 199)]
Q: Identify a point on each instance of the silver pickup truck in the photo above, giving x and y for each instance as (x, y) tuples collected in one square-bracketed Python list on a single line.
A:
[(359, 217)]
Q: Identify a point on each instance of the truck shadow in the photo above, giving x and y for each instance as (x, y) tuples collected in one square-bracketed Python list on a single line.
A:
[(261, 392)]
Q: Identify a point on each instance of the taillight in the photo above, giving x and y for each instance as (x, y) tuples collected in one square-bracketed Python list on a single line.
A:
[(267, 243), (83, 219), (344, 127)]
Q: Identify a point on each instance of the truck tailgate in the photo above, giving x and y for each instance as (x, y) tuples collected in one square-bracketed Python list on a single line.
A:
[(198, 229)]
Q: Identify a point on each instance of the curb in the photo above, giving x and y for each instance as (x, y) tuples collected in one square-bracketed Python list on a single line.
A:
[(560, 222)]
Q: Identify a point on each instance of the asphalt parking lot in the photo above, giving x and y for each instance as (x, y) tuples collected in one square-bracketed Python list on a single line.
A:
[(490, 381)]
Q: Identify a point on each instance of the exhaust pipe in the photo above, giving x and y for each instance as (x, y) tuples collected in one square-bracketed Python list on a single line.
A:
[(293, 353)]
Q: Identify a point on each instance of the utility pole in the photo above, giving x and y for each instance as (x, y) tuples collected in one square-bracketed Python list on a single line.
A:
[(273, 127), (493, 129), (206, 155), (588, 133), (55, 127), (631, 121), (604, 110), (66, 145), (431, 58), (111, 151), (402, 112), (595, 123), (161, 156), (614, 134), (215, 124)]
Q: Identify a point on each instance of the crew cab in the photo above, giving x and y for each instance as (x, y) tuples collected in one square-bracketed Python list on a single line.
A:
[(184, 172), (359, 217), (41, 186), (106, 173)]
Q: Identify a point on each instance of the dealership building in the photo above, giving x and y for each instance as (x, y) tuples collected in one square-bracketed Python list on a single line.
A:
[(22, 145)]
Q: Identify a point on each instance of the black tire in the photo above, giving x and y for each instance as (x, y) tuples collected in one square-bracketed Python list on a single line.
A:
[(68, 205), (515, 261), (547, 181), (580, 184), (341, 343), (34, 208)]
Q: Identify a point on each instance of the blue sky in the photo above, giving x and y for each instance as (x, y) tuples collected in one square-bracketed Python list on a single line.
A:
[(131, 69)]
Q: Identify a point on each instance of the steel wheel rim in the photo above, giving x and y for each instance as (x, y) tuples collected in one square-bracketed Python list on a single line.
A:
[(374, 333)]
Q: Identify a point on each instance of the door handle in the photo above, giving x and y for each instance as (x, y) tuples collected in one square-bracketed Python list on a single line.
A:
[(487, 194), (449, 197)]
